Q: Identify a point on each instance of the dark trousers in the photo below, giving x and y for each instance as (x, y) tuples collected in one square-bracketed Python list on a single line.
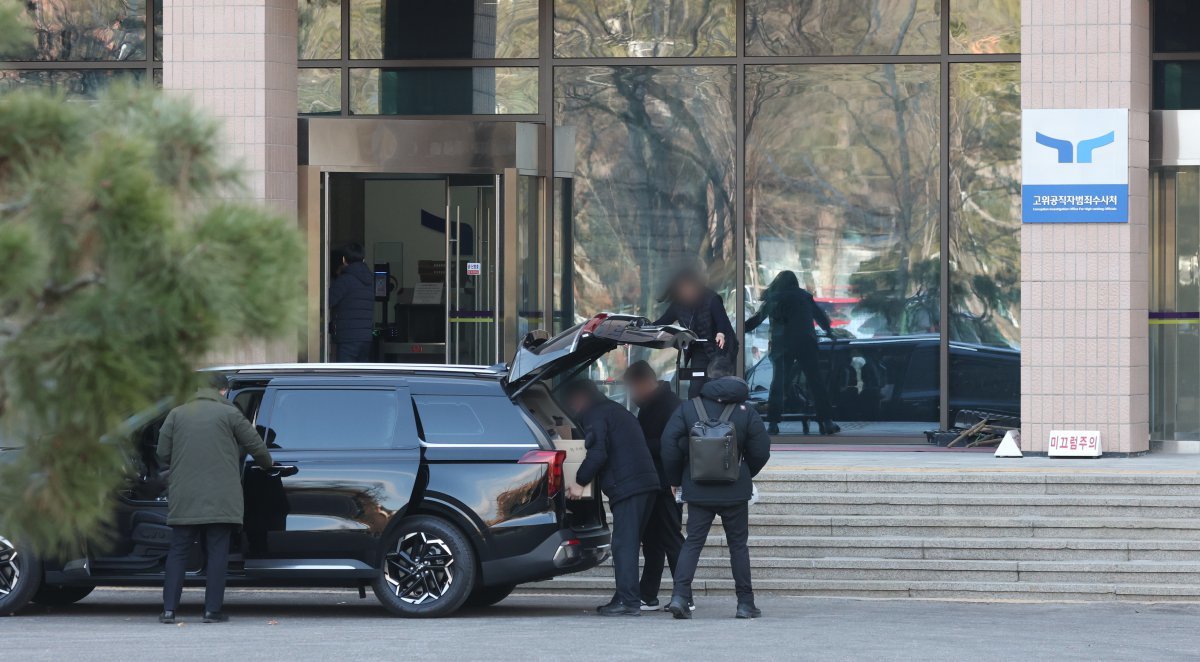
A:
[(354, 352), (736, 520), (661, 542), (630, 516), (216, 552), (784, 366), (698, 364)]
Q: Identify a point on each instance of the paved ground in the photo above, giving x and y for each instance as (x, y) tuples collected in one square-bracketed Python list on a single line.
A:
[(336, 625)]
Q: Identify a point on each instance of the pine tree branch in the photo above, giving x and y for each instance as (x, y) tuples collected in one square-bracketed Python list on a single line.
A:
[(54, 294)]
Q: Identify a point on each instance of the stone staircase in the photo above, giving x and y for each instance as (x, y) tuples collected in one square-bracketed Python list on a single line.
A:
[(983, 535)]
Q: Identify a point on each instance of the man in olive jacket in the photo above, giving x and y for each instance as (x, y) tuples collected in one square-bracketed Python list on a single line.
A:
[(204, 442), (706, 500)]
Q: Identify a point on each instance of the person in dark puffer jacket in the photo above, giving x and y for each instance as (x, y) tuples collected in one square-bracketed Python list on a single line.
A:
[(619, 462), (707, 500), (352, 307)]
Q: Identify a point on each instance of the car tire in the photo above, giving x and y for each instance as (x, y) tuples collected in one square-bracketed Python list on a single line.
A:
[(61, 596), (20, 577), (427, 569), (486, 596)]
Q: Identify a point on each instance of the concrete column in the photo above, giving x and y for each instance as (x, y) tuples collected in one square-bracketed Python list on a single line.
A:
[(1085, 288), (237, 60)]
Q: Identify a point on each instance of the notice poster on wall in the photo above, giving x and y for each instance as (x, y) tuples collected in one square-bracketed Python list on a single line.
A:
[(1075, 165)]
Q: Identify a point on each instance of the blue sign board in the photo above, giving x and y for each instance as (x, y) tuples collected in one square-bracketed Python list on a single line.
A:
[(1075, 166)]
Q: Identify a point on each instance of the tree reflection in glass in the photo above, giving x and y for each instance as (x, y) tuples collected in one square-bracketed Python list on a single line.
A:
[(985, 26), (842, 188), (319, 29), (84, 30), (843, 27), (643, 28), (985, 203), (653, 188)]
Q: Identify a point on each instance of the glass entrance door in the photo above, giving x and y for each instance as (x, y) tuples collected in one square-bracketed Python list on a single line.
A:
[(1175, 306), (432, 248), (472, 274)]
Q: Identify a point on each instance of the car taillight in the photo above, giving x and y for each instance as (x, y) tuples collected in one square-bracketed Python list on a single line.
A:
[(592, 324), (555, 459)]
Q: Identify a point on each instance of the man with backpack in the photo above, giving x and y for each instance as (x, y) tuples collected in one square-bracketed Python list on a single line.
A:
[(712, 448)]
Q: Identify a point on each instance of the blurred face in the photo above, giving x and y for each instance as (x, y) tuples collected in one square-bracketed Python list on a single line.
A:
[(641, 389), (687, 291), (578, 402)]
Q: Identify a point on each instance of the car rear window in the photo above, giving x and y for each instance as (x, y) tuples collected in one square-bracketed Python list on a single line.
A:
[(471, 419), (333, 419)]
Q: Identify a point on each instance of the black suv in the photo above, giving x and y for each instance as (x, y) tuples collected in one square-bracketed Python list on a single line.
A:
[(437, 486)]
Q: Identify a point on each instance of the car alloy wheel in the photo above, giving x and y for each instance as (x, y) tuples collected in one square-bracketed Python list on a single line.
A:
[(420, 570), (10, 572)]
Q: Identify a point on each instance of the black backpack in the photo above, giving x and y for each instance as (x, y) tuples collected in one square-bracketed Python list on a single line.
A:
[(713, 455)]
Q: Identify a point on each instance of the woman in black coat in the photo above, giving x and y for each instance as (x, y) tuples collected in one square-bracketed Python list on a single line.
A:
[(793, 312), (695, 306)]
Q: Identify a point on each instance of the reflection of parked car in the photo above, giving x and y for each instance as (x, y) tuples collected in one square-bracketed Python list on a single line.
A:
[(437, 486), (896, 378)]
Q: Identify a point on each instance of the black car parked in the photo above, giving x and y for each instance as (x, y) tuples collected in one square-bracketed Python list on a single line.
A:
[(437, 486)]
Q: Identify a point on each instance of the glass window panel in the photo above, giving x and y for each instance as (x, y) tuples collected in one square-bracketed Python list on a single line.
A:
[(653, 189), (530, 256), (313, 419), (1175, 24), (1177, 85), (985, 203), (158, 30), (83, 30), (471, 420), (842, 190), (82, 85), (319, 36), (985, 26), (415, 30), (319, 91), (463, 91), (985, 244), (644, 28), (843, 27)]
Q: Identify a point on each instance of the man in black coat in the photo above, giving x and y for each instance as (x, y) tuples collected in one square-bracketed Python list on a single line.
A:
[(352, 307), (663, 537), (619, 462), (707, 500)]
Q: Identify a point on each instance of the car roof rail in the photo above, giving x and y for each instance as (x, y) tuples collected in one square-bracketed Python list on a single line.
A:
[(364, 369)]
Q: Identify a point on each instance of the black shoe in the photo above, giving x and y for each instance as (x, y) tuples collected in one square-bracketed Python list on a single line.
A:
[(772, 428), (680, 608), (215, 617), (651, 605), (747, 610), (167, 618), (829, 427), (691, 605), (612, 603), (619, 610)]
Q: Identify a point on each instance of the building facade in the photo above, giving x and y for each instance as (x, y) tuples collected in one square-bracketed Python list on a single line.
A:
[(519, 164)]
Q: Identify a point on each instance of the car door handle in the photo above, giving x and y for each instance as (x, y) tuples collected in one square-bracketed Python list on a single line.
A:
[(283, 470)]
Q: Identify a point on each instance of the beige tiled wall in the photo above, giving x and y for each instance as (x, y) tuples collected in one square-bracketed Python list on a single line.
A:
[(237, 60), (1085, 288)]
